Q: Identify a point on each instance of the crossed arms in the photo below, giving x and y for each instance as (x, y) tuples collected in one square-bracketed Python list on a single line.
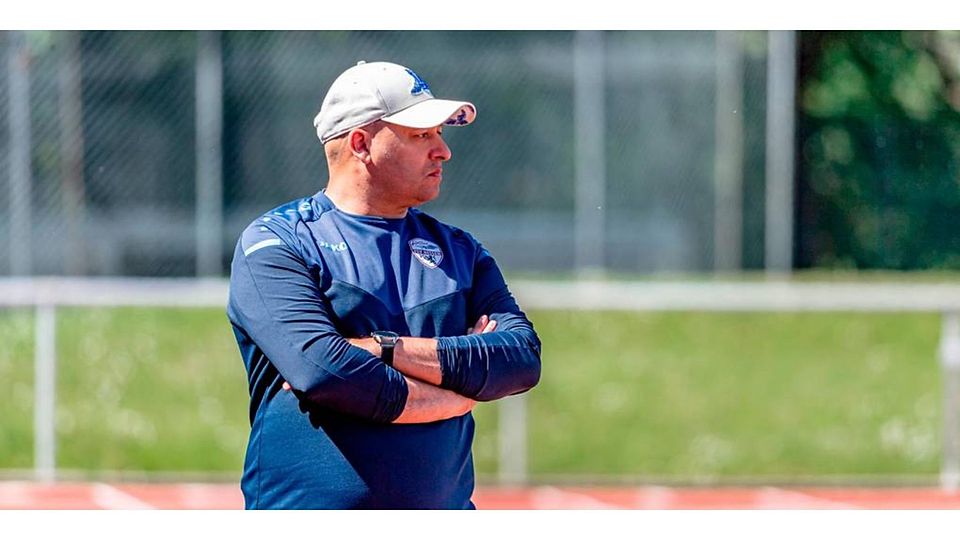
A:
[(275, 300), (417, 359)]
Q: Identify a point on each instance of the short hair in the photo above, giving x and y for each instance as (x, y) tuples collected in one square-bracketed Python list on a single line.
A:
[(334, 148)]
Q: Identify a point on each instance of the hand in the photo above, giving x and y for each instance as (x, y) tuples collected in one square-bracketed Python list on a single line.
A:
[(484, 325)]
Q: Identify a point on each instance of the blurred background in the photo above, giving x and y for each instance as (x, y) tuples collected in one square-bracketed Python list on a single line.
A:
[(613, 156)]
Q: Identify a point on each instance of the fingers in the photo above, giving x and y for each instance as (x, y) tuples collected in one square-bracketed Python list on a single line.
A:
[(478, 326), (484, 324), (286, 386)]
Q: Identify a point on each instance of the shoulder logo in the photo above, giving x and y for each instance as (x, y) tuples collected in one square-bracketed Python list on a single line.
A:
[(428, 253), (419, 85)]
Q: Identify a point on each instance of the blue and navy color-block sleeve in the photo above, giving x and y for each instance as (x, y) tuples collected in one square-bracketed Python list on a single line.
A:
[(497, 364), (275, 299)]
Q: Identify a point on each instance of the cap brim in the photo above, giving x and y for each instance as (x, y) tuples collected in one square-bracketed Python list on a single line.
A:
[(434, 112)]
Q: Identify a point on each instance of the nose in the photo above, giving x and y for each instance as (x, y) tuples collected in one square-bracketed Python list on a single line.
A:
[(441, 151)]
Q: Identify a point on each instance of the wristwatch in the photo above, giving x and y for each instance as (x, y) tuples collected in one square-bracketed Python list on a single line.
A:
[(387, 341)]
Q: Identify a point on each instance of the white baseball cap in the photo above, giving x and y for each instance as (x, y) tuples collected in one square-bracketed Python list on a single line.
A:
[(373, 91)]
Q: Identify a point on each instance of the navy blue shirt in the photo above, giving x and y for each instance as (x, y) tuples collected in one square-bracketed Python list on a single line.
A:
[(305, 277)]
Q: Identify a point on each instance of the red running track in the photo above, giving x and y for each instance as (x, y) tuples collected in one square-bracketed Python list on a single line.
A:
[(62, 496)]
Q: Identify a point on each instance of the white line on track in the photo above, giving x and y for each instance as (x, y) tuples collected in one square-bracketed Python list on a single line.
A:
[(16, 495), (551, 498), (110, 498), (776, 498), (655, 498)]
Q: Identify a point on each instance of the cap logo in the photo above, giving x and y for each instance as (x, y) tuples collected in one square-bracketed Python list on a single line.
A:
[(425, 251), (419, 85), (459, 120)]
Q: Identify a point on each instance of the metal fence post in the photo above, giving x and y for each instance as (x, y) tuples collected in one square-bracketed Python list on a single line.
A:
[(71, 152), (513, 440), (45, 392), (728, 155), (21, 176), (589, 128), (209, 209), (781, 80), (950, 361)]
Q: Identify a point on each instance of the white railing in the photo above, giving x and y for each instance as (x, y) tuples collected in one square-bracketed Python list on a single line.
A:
[(46, 294)]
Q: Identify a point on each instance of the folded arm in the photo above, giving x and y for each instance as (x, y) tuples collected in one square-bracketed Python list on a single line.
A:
[(493, 365), (274, 297), (428, 403), (417, 357), (483, 365)]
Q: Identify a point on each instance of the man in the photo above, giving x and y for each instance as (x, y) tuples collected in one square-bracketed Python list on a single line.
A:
[(360, 304)]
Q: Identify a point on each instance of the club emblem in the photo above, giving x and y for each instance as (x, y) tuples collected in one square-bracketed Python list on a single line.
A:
[(428, 253)]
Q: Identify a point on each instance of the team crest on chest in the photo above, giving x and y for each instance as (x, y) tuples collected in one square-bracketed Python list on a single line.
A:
[(428, 253)]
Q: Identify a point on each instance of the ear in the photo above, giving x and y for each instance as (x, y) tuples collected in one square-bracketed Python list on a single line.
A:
[(359, 142)]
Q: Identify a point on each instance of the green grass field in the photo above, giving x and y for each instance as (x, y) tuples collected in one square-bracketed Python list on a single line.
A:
[(682, 395)]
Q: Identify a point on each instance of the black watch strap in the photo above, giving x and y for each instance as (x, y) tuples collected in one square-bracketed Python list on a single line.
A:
[(387, 342), (386, 353)]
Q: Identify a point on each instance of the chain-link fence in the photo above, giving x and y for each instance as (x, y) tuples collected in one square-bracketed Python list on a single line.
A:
[(619, 151)]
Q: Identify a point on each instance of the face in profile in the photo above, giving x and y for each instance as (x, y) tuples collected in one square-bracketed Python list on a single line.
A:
[(407, 163)]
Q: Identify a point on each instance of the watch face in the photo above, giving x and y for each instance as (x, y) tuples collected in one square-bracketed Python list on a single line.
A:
[(386, 338)]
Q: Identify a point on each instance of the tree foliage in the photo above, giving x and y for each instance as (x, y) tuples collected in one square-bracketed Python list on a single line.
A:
[(879, 150)]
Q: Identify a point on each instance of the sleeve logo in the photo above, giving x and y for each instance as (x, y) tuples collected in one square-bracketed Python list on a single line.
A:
[(428, 253)]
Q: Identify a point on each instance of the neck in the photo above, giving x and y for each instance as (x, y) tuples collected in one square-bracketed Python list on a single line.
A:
[(354, 196)]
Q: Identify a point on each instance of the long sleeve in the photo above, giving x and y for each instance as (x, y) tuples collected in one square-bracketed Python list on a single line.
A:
[(275, 300), (490, 366)]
